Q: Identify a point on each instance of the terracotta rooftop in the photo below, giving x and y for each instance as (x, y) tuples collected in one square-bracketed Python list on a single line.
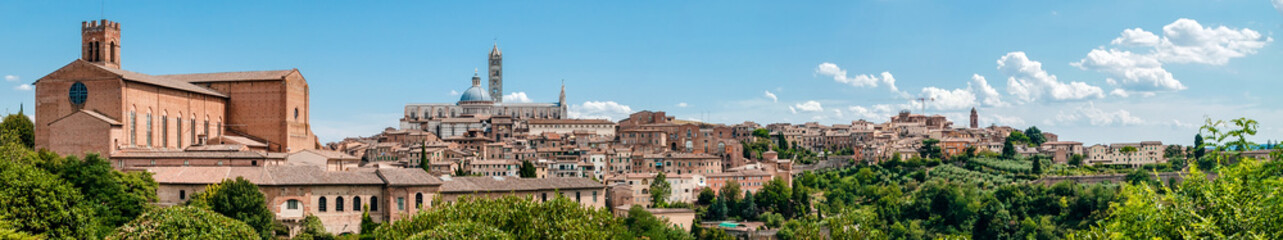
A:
[(508, 184), (267, 175)]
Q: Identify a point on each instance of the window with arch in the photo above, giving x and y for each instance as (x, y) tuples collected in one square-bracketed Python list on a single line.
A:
[(296, 113), (178, 128), (356, 203), (113, 52), (164, 130), (338, 204), (206, 132), (418, 200), (133, 128), (320, 204), (374, 203)]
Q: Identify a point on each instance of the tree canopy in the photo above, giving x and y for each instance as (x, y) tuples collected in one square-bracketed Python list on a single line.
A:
[(238, 199), (183, 222)]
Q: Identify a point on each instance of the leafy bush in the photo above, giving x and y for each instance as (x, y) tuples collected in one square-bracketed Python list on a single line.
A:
[(521, 218), (183, 222)]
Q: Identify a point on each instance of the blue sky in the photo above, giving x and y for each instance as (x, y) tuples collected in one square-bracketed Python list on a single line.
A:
[(1091, 71)]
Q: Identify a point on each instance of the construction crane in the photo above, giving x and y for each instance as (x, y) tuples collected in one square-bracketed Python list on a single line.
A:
[(924, 100)]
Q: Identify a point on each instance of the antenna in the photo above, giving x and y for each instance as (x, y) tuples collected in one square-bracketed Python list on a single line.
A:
[(924, 100)]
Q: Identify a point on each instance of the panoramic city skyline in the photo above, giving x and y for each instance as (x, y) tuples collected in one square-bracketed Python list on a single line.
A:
[(1095, 72)]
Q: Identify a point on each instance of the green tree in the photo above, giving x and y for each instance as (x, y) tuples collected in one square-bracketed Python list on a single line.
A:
[(801, 200), (714, 234), (645, 225), (38, 202), (1076, 160), (510, 217), (21, 127), (774, 196), (748, 208), (1199, 147), (1242, 203), (931, 149), (706, 196), (238, 199), (367, 224), (181, 222), (527, 170), (312, 228), (1037, 165), (1035, 136), (660, 189), (423, 157), (116, 197), (1008, 149), (718, 210), (1127, 150), (1018, 138), (761, 133), (730, 191)]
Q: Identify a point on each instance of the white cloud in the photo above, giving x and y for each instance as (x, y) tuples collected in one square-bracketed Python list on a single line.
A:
[(991, 95), (23, 87), (1119, 93), (1187, 41), (599, 109), (1097, 117), (879, 112), (682, 104), (1028, 82), (1004, 120), (1136, 37), (949, 99), (1138, 72), (1183, 41), (11, 78), (808, 106), (837, 113), (454, 93), (772, 96), (518, 97), (863, 80), (1278, 5)]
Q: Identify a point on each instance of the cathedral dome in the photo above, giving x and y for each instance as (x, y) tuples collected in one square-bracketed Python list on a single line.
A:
[(476, 94)]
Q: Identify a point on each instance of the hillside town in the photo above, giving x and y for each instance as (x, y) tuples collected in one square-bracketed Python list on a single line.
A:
[(191, 131)]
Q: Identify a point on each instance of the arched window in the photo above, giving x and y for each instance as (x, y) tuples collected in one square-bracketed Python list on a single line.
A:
[(182, 194), (164, 129), (356, 203), (338, 204), (113, 52), (178, 128), (374, 204), (133, 128), (418, 200), (193, 129), (320, 204)]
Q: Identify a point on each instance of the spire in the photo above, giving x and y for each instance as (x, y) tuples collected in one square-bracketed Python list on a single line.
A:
[(20, 104), (495, 51), (562, 100)]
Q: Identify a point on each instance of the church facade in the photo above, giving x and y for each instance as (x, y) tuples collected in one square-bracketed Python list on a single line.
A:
[(477, 105)]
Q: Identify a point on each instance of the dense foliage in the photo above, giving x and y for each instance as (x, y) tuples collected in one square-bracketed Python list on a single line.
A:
[(238, 199), (21, 128), (521, 218), (659, 190), (182, 222)]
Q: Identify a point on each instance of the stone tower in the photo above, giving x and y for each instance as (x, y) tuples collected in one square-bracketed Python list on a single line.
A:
[(975, 119), (100, 42), (496, 74)]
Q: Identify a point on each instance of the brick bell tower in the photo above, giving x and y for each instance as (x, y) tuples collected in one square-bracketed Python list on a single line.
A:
[(100, 42)]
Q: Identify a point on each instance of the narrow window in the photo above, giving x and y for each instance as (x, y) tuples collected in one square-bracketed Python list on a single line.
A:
[(418, 200), (148, 131), (133, 128), (338, 204), (178, 128), (356, 203), (182, 194), (400, 203), (374, 204), (164, 131), (292, 204), (113, 52), (321, 205)]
